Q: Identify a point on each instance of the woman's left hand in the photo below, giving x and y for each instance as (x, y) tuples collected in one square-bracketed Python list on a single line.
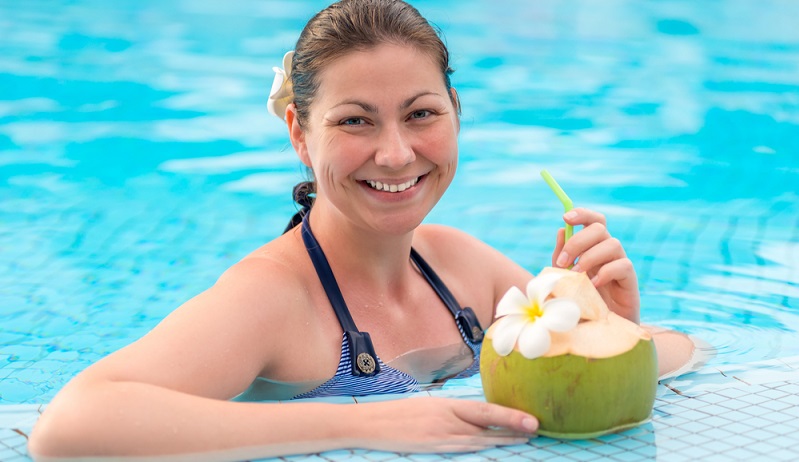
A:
[(603, 258)]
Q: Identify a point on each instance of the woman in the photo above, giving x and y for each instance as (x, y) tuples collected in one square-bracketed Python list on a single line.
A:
[(371, 112)]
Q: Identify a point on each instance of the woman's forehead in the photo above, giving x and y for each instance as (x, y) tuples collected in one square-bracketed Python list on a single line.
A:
[(381, 71)]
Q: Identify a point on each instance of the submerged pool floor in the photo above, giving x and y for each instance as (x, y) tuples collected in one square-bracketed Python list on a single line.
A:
[(716, 413)]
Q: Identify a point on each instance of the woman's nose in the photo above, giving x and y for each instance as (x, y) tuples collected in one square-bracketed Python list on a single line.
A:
[(394, 150)]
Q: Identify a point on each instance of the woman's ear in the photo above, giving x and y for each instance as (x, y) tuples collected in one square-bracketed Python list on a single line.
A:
[(297, 135)]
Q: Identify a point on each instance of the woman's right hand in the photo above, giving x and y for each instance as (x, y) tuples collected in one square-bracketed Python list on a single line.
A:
[(442, 425)]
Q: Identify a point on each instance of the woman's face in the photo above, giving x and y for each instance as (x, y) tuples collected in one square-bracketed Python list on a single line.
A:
[(381, 137)]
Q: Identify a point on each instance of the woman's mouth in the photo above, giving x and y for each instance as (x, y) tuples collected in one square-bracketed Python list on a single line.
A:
[(392, 188)]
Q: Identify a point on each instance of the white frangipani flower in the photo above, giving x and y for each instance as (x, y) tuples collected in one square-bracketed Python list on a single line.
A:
[(282, 93), (526, 320)]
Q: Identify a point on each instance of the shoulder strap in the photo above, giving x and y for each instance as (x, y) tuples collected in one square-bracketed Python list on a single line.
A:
[(465, 317), (362, 352)]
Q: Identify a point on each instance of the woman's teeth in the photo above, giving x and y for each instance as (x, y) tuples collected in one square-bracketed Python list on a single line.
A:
[(392, 187)]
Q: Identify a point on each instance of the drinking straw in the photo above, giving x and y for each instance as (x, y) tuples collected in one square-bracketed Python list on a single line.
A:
[(564, 199)]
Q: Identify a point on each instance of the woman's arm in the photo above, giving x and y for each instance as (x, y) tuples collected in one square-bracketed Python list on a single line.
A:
[(138, 419), (167, 393)]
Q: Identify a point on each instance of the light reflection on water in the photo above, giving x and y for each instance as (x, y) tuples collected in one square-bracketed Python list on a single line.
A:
[(137, 160)]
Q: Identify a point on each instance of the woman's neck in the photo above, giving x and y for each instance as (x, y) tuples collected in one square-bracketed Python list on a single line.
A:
[(374, 258)]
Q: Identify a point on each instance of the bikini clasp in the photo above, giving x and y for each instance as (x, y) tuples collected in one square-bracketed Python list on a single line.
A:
[(470, 324)]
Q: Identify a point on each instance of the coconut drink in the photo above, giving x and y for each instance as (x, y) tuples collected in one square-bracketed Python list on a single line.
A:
[(561, 355)]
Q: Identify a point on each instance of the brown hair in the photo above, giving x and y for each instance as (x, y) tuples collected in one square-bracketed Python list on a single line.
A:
[(350, 25)]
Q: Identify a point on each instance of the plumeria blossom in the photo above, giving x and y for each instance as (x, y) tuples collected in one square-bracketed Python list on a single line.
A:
[(527, 320), (282, 93)]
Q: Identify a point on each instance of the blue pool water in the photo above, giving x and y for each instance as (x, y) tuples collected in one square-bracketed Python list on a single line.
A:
[(137, 160)]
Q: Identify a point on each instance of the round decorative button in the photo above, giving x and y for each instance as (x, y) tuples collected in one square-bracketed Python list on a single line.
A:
[(366, 363), (477, 333)]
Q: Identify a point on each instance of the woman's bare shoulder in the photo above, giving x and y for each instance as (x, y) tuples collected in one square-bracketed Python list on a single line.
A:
[(272, 270), (222, 334), (457, 247), (462, 259)]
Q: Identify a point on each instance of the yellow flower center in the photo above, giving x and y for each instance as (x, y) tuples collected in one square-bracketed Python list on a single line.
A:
[(533, 311)]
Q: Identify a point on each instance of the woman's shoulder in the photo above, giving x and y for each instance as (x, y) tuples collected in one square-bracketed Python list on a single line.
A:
[(275, 269), (467, 258), (452, 244)]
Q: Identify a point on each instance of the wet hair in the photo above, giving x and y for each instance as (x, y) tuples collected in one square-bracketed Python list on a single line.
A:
[(357, 25)]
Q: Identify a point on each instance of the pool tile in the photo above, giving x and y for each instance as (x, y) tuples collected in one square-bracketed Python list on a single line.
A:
[(8, 453), (711, 398), (629, 444), (731, 392), (717, 446), (793, 411), (696, 452), (735, 416), (718, 434), (544, 441), (630, 456), (793, 400), (380, 456), (561, 449), (606, 449), (584, 456), (582, 444), (784, 455), (789, 388), (338, 455), (495, 453), (423, 457), (773, 393), (18, 416), (776, 405), (753, 398), (672, 445), (695, 439)]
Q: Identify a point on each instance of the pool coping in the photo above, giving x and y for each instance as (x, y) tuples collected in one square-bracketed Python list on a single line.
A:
[(726, 412)]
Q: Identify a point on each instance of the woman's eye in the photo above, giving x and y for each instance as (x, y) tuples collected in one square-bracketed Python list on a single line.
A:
[(352, 121), (421, 114)]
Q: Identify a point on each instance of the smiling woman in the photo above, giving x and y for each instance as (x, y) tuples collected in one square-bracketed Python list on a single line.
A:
[(356, 285), (375, 123)]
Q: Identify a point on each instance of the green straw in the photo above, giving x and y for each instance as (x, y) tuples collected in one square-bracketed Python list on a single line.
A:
[(564, 199)]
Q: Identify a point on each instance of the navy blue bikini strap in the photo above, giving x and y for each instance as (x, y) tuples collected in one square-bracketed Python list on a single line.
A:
[(362, 352), (465, 317)]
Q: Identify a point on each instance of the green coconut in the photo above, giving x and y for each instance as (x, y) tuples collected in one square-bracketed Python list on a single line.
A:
[(598, 378)]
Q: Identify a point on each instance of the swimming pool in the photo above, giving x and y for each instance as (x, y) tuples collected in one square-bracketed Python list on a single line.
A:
[(137, 162)]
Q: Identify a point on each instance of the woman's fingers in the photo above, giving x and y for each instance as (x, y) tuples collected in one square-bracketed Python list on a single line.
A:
[(445, 425), (602, 253), (492, 416), (620, 271), (580, 216), (582, 241), (602, 257), (558, 246)]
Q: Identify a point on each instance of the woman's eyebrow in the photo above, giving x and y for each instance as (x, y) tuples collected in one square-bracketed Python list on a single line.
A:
[(410, 100), (373, 109), (365, 106)]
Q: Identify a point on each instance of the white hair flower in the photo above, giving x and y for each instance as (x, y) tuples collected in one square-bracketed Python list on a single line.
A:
[(282, 93), (526, 320)]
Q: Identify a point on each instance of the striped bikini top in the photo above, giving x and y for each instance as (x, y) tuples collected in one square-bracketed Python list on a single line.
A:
[(360, 372)]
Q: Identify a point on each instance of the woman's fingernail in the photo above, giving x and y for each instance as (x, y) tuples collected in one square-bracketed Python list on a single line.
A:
[(594, 280), (576, 268), (530, 424), (563, 258), (569, 215)]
